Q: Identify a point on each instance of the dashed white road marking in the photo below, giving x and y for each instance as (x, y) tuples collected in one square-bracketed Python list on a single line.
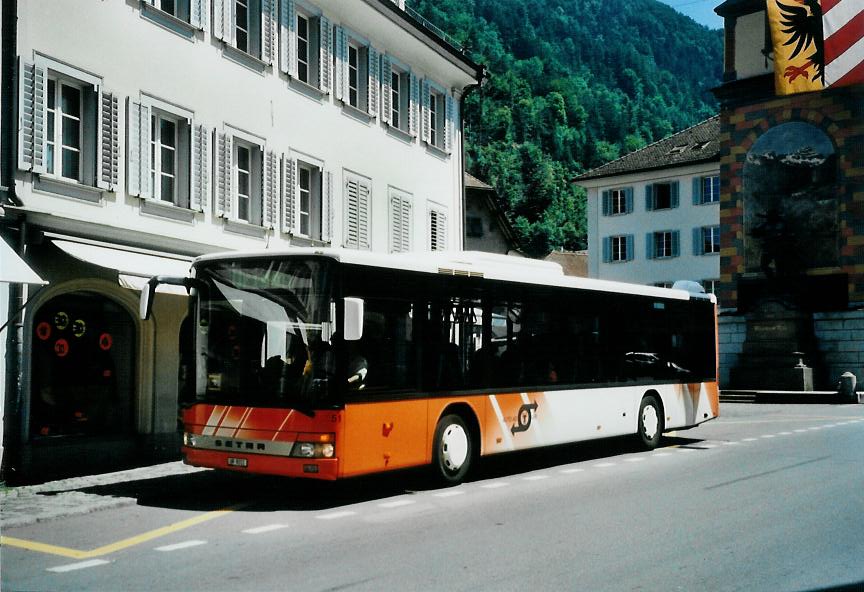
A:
[(263, 529), (801, 431), (396, 503), (748, 439), (336, 515), (768, 436), (535, 477), (813, 429), (79, 565), (570, 471), (732, 443), (656, 454), (633, 459), (682, 449), (178, 546), (495, 485), (450, 493), (785, 434), (604, 465)]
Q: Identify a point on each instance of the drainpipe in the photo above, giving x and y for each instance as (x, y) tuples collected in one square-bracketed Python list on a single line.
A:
[(481, 76), (13, 397)]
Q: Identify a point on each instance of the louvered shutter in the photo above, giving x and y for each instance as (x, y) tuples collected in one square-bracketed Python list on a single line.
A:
[(199, 194), (386, 88), (697, 242), (287, 37), (606, 200), (413, 104), (649, 198), (327, 206), (449, 123), (268, 30), (697, 191), (628, 197), (198, 14), (32, 85), (425, 112), (607, 249), (224, 170), (630, 250), (400, 224), (352, 214), (341, 74), (675, 190), (107, 142), (223, 20), (437, 230), (325, 55), (374, 81), (138, 150), (270, 189), (364, 218), (676, 243), (289, 202), (649, 246)]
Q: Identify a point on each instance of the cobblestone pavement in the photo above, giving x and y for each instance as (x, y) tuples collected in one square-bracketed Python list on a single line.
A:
[(28, 504)]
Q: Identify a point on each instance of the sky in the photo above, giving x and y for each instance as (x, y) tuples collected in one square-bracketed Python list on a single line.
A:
[(701, 11)]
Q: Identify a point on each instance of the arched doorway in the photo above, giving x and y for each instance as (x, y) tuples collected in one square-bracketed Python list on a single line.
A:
[(83, 368)]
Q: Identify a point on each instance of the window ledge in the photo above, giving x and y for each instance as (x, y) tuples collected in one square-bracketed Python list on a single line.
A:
[(67, 189), (400, 134), (164, 209), (711, 254), (245, 228), (436, 151), (355, 113), (709, 203), (304, 241), (168, 21), (616, 215), (306, 89), (246, 60)]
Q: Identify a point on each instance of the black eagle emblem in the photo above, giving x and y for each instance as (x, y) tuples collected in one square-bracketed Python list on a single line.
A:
[(803, 25)]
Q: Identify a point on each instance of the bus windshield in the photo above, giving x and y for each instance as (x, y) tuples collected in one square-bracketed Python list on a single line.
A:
[(264, 332)]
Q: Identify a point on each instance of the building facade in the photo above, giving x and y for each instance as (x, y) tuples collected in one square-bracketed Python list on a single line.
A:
[(148, 132), (791, 211), (486, 226), (653, 215)]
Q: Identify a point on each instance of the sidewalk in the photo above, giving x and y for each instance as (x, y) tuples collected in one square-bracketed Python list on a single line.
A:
[(20, 506)]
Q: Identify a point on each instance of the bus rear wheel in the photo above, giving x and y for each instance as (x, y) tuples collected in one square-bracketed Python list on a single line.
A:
[(453, 450), (650, 422)]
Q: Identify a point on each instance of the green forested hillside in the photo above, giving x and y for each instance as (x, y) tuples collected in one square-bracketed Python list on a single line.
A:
[(573, 84)]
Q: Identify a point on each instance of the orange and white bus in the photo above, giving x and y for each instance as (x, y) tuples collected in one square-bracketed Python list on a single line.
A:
[(330, 363)]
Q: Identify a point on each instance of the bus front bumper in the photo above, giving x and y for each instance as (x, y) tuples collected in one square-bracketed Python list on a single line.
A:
[(310, 468)]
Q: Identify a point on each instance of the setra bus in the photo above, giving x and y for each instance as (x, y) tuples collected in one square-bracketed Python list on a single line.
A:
[(332, 363)]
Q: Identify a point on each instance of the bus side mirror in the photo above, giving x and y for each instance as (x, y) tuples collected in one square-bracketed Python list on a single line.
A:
[(145, 304), (353, 329)]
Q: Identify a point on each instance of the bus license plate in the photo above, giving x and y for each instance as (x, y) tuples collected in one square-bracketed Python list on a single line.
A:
[(237, 462)]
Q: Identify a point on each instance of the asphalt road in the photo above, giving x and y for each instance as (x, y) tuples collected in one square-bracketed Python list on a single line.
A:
[(764, 498)]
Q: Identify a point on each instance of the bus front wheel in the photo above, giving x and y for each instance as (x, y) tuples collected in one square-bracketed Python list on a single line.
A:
[(453, 449), (650, 422)]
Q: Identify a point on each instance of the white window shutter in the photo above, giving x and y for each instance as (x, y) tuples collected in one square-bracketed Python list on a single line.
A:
[(374, 84), (327, 206), (449, 123), (287, 37), (325, 55), (386, 90), (341, 74), (108, 142), (224, 175), (222, 13), (289, 201), (270, 189), (413, 105), (364, 207), (138, 150), (199, 195), (31, 117), (437, 230), (268, 30), (198, 16), (425, 112), (400, 224)]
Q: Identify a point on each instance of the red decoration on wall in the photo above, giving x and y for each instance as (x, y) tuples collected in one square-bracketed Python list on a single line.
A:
[(43, 330), (61, 348), (105, 341)]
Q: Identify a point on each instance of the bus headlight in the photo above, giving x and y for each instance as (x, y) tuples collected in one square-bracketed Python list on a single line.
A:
[(189, 439), (314, 446)]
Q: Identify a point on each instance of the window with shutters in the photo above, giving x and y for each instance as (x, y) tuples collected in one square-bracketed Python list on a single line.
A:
[(248, 26), (358, 73), (355, 75), (400, 99), (664, 243), (247, 182), (357, 199), (437, 230), (438, 116), (662, 196), (305, 44), (68, 129), (309, 193), (436, 101), (181, 16), (304, 48), (619, 248), (169, 158), (401, 222), (617, 201), (710, 240)]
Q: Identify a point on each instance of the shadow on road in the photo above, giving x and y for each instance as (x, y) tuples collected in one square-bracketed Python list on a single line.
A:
[(212, 490)]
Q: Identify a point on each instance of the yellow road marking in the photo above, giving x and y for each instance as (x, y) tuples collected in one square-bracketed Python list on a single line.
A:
[(119, 545)]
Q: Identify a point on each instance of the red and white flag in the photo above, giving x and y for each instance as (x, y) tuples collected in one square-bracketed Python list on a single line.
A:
[(843, 28)]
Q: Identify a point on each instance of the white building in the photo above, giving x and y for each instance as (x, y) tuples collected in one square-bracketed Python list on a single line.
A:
[(152, 131), (654, 214)]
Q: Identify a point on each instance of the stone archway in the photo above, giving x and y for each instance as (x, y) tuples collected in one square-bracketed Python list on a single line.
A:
[(83, 373)]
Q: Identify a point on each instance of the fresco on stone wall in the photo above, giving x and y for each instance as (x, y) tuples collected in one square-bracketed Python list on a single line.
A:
[(791, 201)]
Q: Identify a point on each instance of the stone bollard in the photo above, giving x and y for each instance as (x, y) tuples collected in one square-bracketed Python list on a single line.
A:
[(846, 387)]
